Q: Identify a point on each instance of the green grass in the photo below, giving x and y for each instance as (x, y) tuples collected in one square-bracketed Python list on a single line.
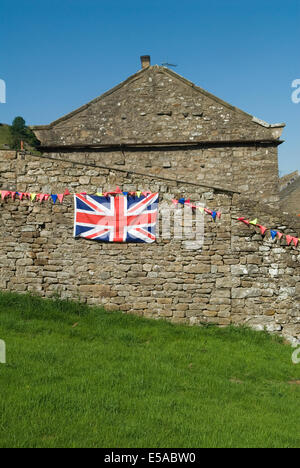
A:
[(4, 135), (117, 380), (5, 140)]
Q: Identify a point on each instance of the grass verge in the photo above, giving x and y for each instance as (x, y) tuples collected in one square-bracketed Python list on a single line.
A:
[(82, 377)]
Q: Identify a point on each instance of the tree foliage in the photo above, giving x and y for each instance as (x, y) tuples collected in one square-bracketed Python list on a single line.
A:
[(20, 132)]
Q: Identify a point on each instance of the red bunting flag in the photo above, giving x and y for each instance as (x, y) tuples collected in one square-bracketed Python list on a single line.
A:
[(244, 220), (263, 229), (67, 192), (295, 241), (4, 194), (60, 196), (289, 239)]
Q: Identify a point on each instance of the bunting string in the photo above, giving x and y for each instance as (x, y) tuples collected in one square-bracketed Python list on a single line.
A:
[(60, 196), (41, 197), (182, 201), (275, 234)]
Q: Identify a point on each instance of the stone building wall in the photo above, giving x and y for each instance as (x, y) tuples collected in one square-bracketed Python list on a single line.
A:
[(153, 106), (290, 196), (197, 136), (234, 169), (236, 277)]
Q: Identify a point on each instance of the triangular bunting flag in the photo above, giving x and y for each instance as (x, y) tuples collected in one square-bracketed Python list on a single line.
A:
[(4, 194), (54, 198), (60, 196), (289, 239), (280, 235), (66, 192), (214, 215), (32, 196), (263, 229), (273, 234), (254, 222), (295, 241), (138, 193), (244, 220), (118, 190), (181, 200)]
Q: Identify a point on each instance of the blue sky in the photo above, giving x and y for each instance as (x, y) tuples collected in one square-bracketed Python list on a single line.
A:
[(58, 54)]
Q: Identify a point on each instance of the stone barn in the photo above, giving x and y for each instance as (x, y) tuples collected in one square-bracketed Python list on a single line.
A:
[(157, 121), (157, 131)]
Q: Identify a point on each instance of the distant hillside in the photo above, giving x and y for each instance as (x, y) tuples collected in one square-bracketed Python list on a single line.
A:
[(4, 135), (6, 139)]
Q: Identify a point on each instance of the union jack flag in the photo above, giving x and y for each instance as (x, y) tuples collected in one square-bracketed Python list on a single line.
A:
[(116, 219)]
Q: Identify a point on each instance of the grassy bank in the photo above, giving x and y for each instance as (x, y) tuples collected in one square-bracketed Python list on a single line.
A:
[(82, 377), (4, 135)]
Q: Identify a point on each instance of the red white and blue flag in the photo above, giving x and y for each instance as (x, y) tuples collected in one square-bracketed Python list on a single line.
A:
[(122, 218)]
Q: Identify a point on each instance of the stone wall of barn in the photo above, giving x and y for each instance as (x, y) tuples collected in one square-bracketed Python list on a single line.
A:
[(237, 276), (224, 145)]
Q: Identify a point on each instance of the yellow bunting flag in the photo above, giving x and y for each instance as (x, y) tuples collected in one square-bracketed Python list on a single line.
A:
[(99, 194), (138, 193), (254, 222), (32, 196)]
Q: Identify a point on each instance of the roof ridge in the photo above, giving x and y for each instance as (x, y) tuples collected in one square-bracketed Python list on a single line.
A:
[(173, 74), (88, 104), (221, 101)]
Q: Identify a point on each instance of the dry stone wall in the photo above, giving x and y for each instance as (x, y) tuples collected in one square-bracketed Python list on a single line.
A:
[(235, 277)]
